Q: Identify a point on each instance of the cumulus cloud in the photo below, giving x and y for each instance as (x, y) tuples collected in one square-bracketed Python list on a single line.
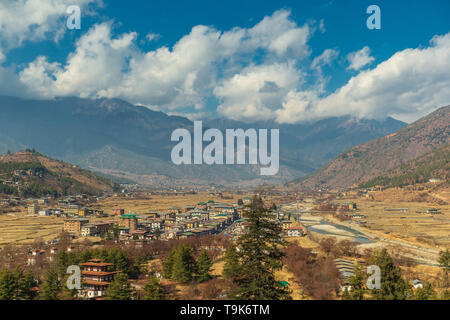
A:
[(257, 91), (168, 79), (359, 59), (410, 84), (33, 20), (98, 61), (256, 73)]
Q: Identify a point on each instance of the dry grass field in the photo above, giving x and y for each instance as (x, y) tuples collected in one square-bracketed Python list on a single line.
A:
[(421, 228), (21, 229), (161, 202)]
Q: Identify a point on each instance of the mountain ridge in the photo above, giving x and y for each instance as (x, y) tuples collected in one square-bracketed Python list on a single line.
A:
[(80, 131), (363, 162)]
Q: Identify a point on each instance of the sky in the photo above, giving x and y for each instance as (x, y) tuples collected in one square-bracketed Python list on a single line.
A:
[(288, 61)]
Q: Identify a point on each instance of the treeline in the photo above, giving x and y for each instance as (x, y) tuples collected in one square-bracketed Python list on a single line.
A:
[(182, 266), (9, 167), (393, 285), (5, 189), (17, 285), (432, 165)]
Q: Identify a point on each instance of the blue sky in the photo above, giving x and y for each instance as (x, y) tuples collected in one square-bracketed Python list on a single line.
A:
[(264, 73)]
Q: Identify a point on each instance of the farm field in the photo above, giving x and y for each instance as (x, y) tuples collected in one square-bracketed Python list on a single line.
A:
[(19, 229), (422, 228)]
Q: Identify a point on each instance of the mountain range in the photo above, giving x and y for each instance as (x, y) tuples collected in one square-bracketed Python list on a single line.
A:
[(367, 161), (131, 142)]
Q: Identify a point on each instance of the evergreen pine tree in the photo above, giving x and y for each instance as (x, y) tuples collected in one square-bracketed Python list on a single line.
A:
[(260, 255), (425, 293), (357, 286), (153, 290), (231, 266), (168, 265), (204, 265), (444, 263), (25, 283), (183, 264), (119, 288), (62, 262), (8, 285), (393, 287), (51, 286)]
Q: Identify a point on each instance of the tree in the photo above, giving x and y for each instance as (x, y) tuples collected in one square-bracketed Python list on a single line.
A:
[(204, 265), (168, 265), (25, 284), (8, 285), (183, 264), (393, 287), (444, 263), (231, 267), (62, 262), (119, 288), (356, 283), (445, 295), (153, 290), (51, 286), (425, 293), (141, 264), (119, 257), (260, 255)]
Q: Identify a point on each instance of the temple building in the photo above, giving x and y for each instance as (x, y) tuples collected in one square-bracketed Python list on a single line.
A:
[(96, 278)]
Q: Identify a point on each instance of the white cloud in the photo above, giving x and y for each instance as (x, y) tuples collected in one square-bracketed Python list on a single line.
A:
[(325, 58), (322, 26), (410, 84), (152, 37), (209, 63), (33, 20), (279, 34), (97, 63), (359, 59), (256, 92), (167, 78)]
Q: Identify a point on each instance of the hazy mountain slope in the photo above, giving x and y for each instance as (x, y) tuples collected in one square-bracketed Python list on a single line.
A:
[(111, 135), (363, 162)]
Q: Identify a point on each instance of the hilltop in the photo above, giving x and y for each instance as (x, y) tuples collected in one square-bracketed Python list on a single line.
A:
[(31, 174), (361, 163)]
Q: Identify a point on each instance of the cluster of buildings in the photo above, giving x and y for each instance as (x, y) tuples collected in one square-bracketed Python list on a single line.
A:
[(204, 218)]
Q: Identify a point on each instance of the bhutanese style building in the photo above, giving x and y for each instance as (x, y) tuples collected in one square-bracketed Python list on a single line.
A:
[(96, 277)]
